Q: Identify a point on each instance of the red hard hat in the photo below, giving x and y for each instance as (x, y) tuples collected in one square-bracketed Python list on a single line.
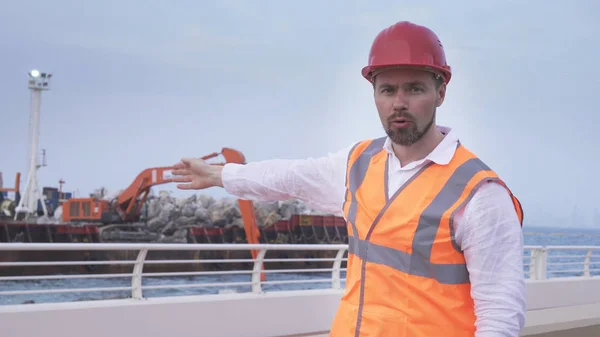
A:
[(407, 44)]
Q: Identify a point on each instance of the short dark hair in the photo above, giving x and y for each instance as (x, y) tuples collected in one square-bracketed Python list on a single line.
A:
[(437, 79)]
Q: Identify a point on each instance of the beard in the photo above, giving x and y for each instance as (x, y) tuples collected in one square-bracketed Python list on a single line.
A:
[(409, 135)]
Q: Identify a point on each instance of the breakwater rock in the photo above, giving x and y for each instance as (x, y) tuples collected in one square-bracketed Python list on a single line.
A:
[(167, 219)]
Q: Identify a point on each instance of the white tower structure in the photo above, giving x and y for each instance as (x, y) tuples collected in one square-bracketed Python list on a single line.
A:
[(38, 82)]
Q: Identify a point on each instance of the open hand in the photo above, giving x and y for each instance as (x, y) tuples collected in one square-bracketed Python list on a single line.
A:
[(196, 174)]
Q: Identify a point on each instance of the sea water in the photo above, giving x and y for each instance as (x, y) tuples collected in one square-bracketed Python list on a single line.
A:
[(534, 236)]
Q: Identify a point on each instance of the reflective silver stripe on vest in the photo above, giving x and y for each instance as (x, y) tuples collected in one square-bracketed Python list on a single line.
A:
[(430, 219), (402, 261), (358, 171)]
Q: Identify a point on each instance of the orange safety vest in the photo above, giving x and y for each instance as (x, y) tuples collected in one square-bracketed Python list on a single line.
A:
[(406, 275)]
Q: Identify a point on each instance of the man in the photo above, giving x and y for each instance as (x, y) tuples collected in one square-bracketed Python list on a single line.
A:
[(435, 240)]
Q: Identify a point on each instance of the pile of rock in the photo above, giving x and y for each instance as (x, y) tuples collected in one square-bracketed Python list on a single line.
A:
[(164, 213), (166, 218)]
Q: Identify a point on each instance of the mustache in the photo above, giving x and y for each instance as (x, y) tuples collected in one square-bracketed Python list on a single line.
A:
[(406, 115)]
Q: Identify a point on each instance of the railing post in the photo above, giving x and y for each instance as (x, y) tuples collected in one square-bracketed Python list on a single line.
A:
[(539, 257), (136, 279), (586, 263), (336, 282), (257, 271)]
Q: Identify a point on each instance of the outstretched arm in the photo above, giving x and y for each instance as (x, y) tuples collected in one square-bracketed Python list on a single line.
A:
[(318, 182)]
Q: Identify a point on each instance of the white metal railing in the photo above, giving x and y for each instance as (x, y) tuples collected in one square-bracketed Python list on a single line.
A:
[(136, 288), (540, 263), (543, 262)]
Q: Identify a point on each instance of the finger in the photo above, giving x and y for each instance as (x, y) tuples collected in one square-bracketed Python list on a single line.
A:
[(179, 165), (185, 186), (188, 161), (181, 172), (182, 179)]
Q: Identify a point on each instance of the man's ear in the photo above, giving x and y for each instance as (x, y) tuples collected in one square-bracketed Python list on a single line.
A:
[(441, 94)]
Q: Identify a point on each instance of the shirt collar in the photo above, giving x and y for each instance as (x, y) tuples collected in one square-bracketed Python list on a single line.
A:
[(443, 152)]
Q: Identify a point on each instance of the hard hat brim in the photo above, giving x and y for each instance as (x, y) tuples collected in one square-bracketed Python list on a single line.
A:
[(368, 72)]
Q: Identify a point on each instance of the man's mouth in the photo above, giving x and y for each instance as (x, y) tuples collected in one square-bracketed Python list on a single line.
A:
[(400, 122)]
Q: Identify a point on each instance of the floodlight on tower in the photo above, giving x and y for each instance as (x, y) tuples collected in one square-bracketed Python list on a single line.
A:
[(38, 82)]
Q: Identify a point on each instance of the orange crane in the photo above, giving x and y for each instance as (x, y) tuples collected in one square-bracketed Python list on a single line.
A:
[(15, 189), (11, 189)]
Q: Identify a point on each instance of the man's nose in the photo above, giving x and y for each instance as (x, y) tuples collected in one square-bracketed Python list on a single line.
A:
[(400, 101)]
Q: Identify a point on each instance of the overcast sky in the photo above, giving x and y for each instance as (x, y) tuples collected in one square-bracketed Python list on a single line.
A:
[(139, 84)]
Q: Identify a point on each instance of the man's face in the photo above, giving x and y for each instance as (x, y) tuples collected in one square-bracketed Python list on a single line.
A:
[(406, 100)]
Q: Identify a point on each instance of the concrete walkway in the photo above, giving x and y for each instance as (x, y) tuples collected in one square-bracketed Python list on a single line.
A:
[(590, 331)]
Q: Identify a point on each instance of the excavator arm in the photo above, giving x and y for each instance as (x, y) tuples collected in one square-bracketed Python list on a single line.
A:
[(130, 201), (246, 206)]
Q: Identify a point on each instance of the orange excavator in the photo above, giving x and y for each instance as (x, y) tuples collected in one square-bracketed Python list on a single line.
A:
[(125, 208), (128, 205)]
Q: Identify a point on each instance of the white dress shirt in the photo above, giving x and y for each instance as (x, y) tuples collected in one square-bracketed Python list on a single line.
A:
[(487, 229)]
